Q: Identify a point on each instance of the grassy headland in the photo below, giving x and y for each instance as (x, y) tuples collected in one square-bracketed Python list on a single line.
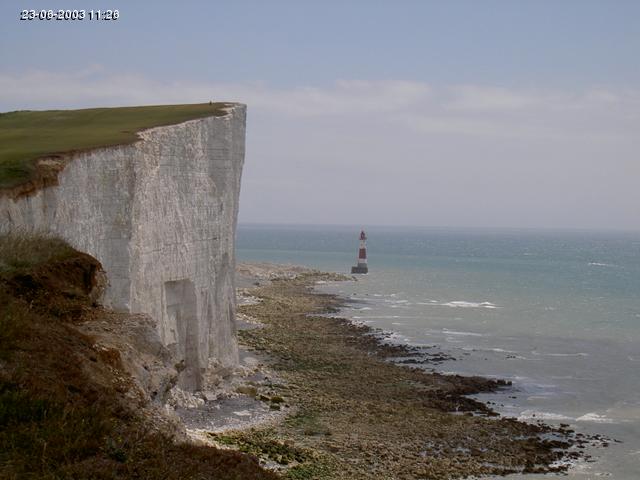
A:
[(26, 135)]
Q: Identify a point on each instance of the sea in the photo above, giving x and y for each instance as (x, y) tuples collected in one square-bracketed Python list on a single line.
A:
[(555, 312)]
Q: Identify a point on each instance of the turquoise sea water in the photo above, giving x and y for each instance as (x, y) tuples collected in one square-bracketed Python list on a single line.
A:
[(558, 313)]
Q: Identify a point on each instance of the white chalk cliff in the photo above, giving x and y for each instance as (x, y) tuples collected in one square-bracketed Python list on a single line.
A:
[(160, 215)]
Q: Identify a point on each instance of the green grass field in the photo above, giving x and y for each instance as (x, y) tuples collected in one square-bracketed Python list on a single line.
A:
[(26, 135)]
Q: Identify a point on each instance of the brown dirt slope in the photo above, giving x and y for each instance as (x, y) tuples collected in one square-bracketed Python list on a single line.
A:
[(64, 409)]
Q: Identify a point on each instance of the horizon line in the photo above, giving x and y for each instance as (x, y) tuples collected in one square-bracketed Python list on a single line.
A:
[(444, 227)]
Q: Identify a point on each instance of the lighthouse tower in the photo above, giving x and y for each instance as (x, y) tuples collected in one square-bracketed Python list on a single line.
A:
[(362, 256)]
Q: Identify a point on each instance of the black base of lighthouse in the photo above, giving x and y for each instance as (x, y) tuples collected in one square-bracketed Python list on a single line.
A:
[(360, 269)]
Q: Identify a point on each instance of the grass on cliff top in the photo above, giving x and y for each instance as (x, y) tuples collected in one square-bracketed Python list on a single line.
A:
[(28, 135)]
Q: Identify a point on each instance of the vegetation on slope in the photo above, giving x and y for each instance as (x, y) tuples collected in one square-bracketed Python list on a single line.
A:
[(26, 136), (63, 411)]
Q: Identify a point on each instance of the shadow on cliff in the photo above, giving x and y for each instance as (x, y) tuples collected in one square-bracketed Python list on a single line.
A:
[(69, 405)]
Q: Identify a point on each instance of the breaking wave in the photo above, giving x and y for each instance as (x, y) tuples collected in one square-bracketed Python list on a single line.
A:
[(459, 304), (595, 418), (578, 354), (537, 415), (454, 332)]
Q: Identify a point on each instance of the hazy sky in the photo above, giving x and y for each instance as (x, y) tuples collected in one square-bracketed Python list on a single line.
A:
[(450, 113)]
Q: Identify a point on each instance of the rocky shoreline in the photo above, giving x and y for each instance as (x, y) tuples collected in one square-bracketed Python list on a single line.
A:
[(354, 406)]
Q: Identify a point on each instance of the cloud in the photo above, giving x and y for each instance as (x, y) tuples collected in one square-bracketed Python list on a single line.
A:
[(456, 109), (401, 152), (472, 97), (93, 86)]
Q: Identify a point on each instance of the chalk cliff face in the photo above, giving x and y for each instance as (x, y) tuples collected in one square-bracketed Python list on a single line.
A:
[(160, 215)]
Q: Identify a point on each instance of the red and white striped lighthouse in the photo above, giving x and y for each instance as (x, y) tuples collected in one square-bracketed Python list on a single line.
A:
[(362, 256)]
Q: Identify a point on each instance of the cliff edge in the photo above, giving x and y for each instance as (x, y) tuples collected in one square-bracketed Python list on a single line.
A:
[(160, 216)]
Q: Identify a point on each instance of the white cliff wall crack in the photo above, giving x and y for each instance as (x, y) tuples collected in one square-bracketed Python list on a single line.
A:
[(160, 215)]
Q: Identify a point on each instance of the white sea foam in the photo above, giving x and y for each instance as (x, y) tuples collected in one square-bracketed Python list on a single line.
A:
[(452, 340), (454, 332), (502, 350), (578, 354), (537, 415), (595, 418), (395, 336), (464, 304), (470, 348), (539, 397), (460, 304)]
